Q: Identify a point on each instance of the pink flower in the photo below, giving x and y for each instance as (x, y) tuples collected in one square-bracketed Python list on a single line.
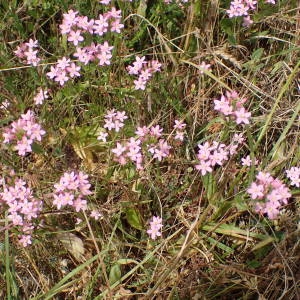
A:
[(104, 58), (100, 25), (223, 106), (247, 21), (156, 131), (73, 70), (80, 204), (155, 65), (63, 63), (61, 78), (116, 26), (105, 47), (70, 17), (139, 62), (256, 190), (85, 24), (113, 13), (142, 131), (23, 132), (23, 208), (179, 136), (53, 72), (139, 68), (271, 192), (238, 138), (155, 227), (32, 43), (25, 240), (247, 161), (70, 190), (119, 150), (114, 120), (95, 214), (242, 116), (294, 175), (264, 178), (140, 84), (270, 210), (204, 167), (65, 28), (179, 125), (26, 52), (102, 136), (204, 66), (231, 105), (204, 151), (75, 37), (40, 96), (82, 55)]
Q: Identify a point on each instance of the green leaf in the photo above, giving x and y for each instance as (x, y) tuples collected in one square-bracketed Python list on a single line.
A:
[(257, 54), (227, 26), (253, 264), (115, 274), (232, 230), (36, 148), (240, 203), (133, 217), (218, 244), (125, 261), (142, 8)]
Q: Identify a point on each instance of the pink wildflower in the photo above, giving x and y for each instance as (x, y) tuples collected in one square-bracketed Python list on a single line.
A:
[(40, 96), (271, 194), (155, 227), (23, 132), (294, 175), (204, 66), (70, 190)]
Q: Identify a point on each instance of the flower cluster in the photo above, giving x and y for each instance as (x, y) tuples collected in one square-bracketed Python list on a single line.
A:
[(179, 130), (160, 150), (23, 208), (26, 51), (63, 71), (100, 52), (231, 105), (40, 96), (148, 141), (114, 120), (210, 155), (131, 150), (294, 175), (270, 193), (241, 8), (144, 69), (23, 132), (155, 227), (216, 154), (71, 190), (76, 27)]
